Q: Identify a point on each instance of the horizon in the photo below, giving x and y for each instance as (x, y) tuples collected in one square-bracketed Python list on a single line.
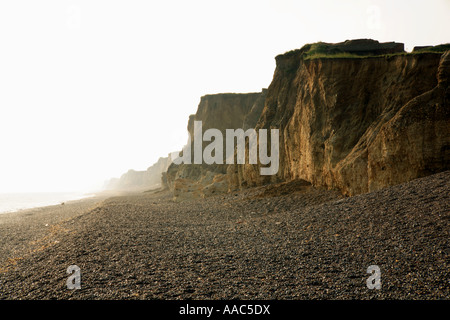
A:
[(91, 90)]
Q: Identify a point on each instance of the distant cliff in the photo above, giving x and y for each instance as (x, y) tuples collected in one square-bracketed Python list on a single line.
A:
[(355, 116), (140, 180)]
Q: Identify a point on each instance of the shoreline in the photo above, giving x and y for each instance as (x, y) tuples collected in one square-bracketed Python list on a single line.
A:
[(51, 202), (21, 229), (87, 196)]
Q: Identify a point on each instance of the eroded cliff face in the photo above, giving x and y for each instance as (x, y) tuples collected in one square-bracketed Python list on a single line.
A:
[(415, 142), (217, 111), (356, 124)]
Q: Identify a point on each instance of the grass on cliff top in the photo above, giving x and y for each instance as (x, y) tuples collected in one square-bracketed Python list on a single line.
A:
[(340, 55), (434, 49), (325, 51), (321, 50)]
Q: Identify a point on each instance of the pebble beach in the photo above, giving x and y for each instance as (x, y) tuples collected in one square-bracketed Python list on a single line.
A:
[(289, 242)]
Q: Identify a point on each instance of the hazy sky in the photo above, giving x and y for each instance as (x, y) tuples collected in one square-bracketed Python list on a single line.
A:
[(90, 89)]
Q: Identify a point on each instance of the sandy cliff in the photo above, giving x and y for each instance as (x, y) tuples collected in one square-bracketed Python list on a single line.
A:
[(357, 124), (355, 121)]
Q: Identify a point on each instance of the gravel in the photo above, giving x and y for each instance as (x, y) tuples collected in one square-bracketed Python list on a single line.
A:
[(307, 243)]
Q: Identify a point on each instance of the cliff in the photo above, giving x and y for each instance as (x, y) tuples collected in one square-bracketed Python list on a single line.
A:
[(356, 124), (355, 116), (140, 180), (218, 111)]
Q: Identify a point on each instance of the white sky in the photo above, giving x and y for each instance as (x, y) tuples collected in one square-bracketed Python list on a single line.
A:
[(90, 89)]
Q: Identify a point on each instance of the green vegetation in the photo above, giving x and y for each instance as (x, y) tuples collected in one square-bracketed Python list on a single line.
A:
[(339, 55), (344, 55), (322, 50), (436, 49)]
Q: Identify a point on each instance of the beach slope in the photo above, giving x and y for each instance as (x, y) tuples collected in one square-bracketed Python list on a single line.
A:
[(290, 241)]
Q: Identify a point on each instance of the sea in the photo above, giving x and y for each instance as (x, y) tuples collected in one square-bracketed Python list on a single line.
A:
[(12, 202)]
